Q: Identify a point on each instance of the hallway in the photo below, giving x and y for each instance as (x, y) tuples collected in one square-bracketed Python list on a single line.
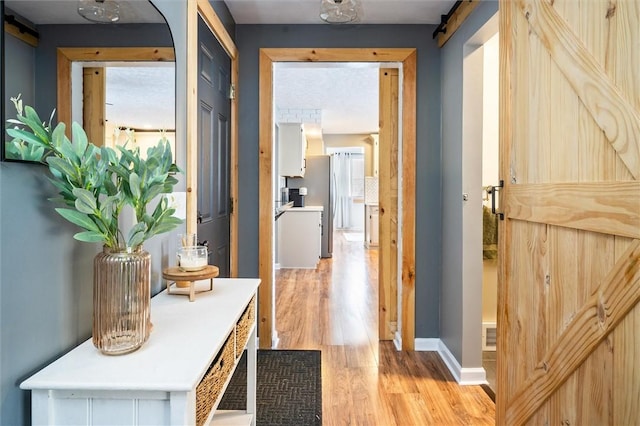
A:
[(366, 382)]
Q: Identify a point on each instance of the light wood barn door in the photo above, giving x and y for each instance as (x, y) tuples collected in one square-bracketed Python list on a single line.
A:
[(569, 319)]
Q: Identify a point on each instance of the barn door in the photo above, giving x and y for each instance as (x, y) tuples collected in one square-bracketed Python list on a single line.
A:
[(569, 319)]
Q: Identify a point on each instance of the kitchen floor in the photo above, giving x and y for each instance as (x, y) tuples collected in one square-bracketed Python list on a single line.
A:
[(334, 308), (350, 236)]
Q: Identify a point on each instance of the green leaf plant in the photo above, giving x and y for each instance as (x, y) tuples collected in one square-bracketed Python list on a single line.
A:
[(96, 184)]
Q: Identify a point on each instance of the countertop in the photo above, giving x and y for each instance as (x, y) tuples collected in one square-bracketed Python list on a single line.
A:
[(281, 208), (306, 209)]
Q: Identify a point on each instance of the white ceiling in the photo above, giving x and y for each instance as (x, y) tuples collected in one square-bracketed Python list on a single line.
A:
[(151, 105), (347, 95), (247, 11), (369, 11)]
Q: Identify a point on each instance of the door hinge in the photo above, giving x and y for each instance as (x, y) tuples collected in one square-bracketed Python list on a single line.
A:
[(232, 91), (230, 205)]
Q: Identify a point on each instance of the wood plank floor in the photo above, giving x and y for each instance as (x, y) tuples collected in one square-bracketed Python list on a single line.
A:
[(364, 381)]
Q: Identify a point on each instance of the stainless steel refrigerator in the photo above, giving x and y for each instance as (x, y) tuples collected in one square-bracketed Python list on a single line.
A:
[(320, 183)]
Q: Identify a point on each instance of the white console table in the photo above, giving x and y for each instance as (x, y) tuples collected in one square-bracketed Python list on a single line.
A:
[(180, 373)]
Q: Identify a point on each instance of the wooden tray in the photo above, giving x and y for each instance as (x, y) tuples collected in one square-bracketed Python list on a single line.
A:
[(176, 274), (185, 280)]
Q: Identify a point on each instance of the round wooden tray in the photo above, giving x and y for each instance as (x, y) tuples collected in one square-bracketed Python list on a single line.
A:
[(176, 274), (185, 281)]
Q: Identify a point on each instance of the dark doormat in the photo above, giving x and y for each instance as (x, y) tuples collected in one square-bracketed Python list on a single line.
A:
[(289, 388)]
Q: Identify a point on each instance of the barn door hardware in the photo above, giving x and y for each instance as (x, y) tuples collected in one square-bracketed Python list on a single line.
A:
[(492, 191)]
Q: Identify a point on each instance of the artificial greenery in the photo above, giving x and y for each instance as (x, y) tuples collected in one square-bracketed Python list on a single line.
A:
[(96, 184)]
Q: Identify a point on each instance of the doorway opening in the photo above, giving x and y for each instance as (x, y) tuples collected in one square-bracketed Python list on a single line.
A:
[(406, 191), (480, 179), (332, 111), (490, 178), (139, 102)]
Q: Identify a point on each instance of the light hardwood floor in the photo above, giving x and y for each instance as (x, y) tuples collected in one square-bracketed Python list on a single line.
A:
[(364, 381)]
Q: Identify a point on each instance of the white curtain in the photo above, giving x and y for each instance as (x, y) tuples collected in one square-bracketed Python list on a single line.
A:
[(342, 170)]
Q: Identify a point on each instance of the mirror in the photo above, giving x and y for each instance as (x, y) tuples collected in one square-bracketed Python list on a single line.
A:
[(111, 78)]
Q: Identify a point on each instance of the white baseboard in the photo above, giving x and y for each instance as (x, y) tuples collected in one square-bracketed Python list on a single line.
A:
[(464, 376), (427, 345), (397, 341), (473, 376), (276, 266)]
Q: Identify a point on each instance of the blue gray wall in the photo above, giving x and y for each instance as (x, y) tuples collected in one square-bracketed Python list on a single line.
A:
[(22, 77), (221, 9), (45, 275), (250, 38), (455, 301), (22, 57)]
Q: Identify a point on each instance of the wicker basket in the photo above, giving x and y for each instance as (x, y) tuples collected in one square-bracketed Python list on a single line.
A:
[(244, 326), (211, 385)]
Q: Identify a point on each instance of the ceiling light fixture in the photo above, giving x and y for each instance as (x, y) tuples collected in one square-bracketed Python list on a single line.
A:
[(338, 11), (101, 11)]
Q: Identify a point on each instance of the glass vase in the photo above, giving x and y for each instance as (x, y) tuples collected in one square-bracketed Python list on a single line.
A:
[(121, 299)]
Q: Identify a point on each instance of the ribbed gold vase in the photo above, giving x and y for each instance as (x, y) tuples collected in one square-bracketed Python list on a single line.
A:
[(121, 298)]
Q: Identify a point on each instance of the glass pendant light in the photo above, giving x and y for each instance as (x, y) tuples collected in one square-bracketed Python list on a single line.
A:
[(101, 11), (338, 11)]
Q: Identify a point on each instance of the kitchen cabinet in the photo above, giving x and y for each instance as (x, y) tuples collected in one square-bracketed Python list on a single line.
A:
[(299, 237), (292, 147), (177, 377), (371, 226)]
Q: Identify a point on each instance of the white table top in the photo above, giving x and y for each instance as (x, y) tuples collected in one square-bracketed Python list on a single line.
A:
[(185, 338)]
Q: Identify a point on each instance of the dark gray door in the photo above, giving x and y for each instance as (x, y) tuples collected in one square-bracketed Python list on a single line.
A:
[(214, 69)]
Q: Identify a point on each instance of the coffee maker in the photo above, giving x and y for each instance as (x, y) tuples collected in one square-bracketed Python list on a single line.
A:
[(297, 196)]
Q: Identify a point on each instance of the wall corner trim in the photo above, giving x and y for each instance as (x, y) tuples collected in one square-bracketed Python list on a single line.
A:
[(464, 376)]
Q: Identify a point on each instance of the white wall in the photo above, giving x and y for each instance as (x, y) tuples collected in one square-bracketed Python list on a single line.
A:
[(490, 157), (472, 120), (490, 119)]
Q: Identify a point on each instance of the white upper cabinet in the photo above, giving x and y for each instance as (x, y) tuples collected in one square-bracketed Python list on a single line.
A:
[(292, 145)]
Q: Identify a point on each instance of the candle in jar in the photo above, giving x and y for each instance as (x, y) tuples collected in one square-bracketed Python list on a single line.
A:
[(192, 257), (193, 261)]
